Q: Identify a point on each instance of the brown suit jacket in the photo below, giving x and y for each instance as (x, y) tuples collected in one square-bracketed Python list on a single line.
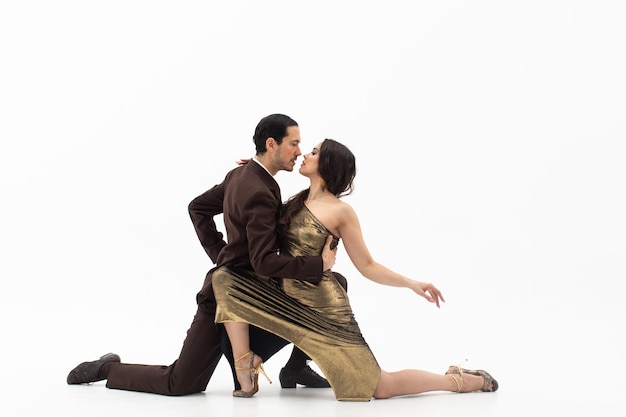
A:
[(250, 199)]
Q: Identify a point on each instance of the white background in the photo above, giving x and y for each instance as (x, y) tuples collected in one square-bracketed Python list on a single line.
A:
[(490, 145)]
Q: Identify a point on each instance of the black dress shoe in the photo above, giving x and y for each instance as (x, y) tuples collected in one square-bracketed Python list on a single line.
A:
[(88, 372), (305, 376)]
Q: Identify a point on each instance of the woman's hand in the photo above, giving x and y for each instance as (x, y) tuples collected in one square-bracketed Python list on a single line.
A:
[(428, 291), (243, 161)]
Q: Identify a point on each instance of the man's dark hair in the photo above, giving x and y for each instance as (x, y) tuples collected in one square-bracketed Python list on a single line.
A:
[(272, 126)]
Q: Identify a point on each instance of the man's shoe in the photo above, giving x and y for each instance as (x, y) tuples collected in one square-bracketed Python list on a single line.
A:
[(87, 372), (305, 376)]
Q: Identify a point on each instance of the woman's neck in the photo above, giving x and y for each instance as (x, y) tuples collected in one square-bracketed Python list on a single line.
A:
[(317, 191)]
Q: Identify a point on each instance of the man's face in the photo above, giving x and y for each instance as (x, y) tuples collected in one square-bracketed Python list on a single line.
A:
[(288, 152)]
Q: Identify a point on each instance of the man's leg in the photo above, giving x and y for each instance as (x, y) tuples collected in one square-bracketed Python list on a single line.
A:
[(189, 374)]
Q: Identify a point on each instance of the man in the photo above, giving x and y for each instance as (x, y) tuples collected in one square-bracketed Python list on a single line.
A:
[(250, 216)]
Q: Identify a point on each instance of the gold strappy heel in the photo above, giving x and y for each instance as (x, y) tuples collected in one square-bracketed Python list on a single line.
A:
[(254, 376), (489, 384), (459, 385)]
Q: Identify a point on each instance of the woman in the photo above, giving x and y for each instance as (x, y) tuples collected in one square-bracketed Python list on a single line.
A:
[(317, 317)]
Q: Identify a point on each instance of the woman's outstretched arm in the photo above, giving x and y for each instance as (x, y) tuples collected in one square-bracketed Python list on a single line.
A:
[(349, 229)]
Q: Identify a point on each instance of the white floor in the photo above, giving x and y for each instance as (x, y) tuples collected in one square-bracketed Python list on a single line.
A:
[(547, 366)]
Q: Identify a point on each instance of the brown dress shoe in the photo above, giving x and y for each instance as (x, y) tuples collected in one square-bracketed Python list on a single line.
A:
[(88, 372)]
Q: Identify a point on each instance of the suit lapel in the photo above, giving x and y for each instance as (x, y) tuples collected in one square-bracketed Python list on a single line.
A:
[(265, 176)]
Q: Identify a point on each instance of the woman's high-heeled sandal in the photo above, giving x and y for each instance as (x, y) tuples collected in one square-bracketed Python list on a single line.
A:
[(459, 385), (488, 380), (254, 376)]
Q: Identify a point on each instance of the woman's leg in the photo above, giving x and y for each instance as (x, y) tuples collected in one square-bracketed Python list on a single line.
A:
[(413, 381), (239, 336)]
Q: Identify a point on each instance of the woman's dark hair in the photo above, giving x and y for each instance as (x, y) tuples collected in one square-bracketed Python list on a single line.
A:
[(336, 166), (272, 126)]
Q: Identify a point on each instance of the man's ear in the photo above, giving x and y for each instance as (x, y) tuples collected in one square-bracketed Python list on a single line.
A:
[(270, 143)]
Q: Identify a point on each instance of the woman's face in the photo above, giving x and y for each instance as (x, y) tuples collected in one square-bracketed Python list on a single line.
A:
[(309, 164)]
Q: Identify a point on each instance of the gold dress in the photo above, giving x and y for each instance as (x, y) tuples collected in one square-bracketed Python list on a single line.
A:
[(316, 318)]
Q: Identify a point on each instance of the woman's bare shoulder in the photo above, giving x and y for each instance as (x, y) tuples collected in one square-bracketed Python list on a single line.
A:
[(345, 211)]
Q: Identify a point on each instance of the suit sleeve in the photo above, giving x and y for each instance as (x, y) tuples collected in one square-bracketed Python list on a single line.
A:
[(202, 210)]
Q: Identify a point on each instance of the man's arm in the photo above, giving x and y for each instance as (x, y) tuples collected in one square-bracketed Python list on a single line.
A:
[(202, 210), (261, 230)]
